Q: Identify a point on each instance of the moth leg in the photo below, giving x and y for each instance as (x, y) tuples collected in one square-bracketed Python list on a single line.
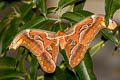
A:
[(46, 62), (77, 54)]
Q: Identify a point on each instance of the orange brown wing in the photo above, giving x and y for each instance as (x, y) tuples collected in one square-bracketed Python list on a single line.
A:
[(42, 44), (80, 36)]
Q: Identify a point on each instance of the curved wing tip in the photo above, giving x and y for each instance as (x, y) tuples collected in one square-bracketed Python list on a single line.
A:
[(72, 64), (49, 70), (112, 24), (10, 47)]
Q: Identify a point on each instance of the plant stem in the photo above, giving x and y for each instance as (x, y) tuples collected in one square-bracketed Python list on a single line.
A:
[(53, 19), (95, 51), (40, 78), (97, 45), (119, 42)]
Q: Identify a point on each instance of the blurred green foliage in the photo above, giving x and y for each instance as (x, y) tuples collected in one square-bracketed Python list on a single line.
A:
[(25, 14)]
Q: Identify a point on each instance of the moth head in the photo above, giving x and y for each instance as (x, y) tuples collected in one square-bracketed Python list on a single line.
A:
[(18, 40)]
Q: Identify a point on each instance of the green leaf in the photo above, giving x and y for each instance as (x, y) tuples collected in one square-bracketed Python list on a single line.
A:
[(70, 75), (115, 51), (30, 15), (10, 33), (19, 53), (57, 75), (85, 68), (60, 26), (111, 6), (76, 16), (34, 23), (115, 6), (109, 35), (7, 74), (25, 9), (51, 10), (108, 4), (21, 63), (3, 30), (64, 3), (7, 63), (49, 27), (41, 4), (34, 68), (62, 51), (5, 22), (79, 5), (7, 69), (56, 27), (3, 5), (119, 29)]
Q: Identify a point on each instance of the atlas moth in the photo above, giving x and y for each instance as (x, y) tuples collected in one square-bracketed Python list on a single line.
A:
[(75, 40)]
